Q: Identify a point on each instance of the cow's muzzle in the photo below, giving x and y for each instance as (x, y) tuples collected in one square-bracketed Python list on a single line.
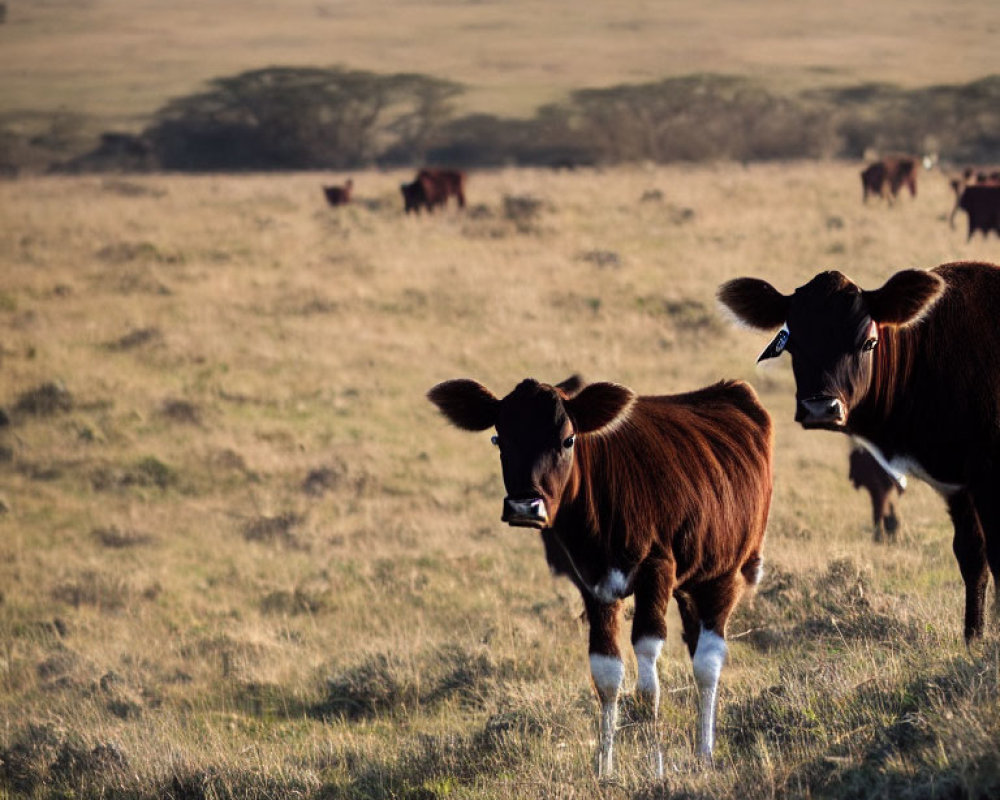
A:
[(821, 411), (529, 513)]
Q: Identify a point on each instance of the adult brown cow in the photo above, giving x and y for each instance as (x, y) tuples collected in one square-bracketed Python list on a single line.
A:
[(647, 496), (883, 487), (884, 178), (432, 188), (981, 201), (440, 184), (339, 195), (912, 368)]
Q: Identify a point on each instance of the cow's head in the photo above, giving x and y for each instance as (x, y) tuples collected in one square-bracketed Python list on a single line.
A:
[(831, 328), (536, 429)]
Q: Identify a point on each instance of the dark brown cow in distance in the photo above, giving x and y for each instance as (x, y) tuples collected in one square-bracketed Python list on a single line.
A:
[(339, 195), (432, 188), (884, 489), (983, 176), (912, 368), (981, 201), (647, 496), (884, 178)]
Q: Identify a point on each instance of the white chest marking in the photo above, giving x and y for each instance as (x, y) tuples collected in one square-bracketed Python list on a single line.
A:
[(613, 587), (901, 464)]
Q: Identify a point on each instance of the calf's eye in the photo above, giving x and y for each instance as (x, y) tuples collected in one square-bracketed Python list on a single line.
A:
[(495, 440)]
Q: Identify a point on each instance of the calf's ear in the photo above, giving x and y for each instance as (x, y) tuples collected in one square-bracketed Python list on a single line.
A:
[(905, 298), (571, 386), (755, 303), (598, 405), (467, 405)]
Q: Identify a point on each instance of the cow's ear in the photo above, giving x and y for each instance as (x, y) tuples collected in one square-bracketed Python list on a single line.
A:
[(905, 298), (571, 386), (755, 303), (598, 405), (467, 405)]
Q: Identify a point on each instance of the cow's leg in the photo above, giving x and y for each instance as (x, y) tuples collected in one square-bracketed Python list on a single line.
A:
[(970, 550), (987, 505), (654, 584), (890, 519), (714, 602), (877, 508), (606, 670)]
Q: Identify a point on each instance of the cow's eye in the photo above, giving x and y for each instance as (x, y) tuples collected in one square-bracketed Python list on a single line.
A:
[(869, 345), (496, 440), (568, 441)]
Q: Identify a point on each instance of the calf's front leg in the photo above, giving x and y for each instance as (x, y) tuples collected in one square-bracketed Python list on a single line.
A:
[(606, 670)]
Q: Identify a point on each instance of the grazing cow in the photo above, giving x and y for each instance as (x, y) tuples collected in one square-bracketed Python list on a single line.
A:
[(339, 195), (432, 188), (647, 496), (981, 201), (884, 178), (912, 368), (414, 197), (970, 177), (440, 184), (882, 486)]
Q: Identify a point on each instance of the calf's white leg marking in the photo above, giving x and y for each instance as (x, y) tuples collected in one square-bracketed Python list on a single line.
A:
[(647, 651), (708, 659), (607, 672)]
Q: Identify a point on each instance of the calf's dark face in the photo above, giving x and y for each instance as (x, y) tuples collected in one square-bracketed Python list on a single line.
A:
[(831, 328), (536, 430)]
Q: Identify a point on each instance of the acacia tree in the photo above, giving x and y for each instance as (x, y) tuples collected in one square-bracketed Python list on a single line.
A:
[(299, 117)]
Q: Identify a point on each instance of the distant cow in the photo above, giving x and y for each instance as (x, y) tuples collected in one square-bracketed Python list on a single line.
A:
[(432, 188), (647, 496), (983, 176), (883, 488), (884, 178), (414, 197), (912, 368), (981, 201), (339, 195)]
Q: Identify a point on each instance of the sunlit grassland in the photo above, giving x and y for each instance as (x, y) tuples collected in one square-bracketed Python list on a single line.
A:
[(242, 556)]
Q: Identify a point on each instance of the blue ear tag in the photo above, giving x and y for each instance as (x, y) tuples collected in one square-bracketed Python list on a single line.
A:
[(774, 349)]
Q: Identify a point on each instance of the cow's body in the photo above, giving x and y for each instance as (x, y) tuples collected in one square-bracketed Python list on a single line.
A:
[(913, 369), (665, 497), (981, 201), (338, 195), (884, 178), (883, 488), (432, 188)]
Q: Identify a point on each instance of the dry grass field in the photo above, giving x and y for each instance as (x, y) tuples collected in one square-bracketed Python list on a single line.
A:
[(241, 556)]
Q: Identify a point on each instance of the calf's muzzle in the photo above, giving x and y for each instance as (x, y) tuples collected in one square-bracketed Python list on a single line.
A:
[(526, 513)]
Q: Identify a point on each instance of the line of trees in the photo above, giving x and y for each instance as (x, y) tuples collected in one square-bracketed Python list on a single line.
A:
[(315, 118)]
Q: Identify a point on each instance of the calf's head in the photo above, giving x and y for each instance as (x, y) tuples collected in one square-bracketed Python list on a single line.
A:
[(536, 429), (831, 327)]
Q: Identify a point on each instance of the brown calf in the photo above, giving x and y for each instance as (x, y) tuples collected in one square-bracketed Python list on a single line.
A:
[(339, 195), (656, 497)]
